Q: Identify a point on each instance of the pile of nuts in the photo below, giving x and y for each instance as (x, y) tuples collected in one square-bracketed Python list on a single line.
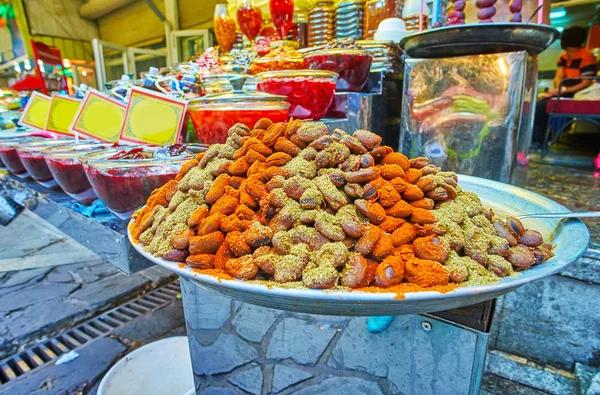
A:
[(293, 203)]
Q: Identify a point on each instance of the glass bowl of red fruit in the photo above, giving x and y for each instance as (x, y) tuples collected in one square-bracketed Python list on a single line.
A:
[(123, 178), (213, 115), (65, 166), (309, 92), (10, 157), (33, 158), (352, 65)]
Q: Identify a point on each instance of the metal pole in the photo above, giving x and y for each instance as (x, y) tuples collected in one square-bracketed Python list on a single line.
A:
[(99, 61)]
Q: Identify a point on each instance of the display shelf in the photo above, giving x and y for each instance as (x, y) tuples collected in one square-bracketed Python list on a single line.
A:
[(105, 236)]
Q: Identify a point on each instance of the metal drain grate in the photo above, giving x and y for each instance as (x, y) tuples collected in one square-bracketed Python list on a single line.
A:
[(46, 351)]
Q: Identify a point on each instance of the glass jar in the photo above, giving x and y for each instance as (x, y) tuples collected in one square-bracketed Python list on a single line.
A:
[(224, 28), (272, 63), (351, 65), (212, 116), (65, 166), (375, 12), (309, 92), (32, 156), (218, 83), (10, 157), (123, 178), (282, 13), (249, 19)]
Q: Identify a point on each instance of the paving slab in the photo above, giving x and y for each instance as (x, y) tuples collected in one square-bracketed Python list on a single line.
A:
[(285, 376), (225, 354), (110, 289), (253, 322), (342, 385)]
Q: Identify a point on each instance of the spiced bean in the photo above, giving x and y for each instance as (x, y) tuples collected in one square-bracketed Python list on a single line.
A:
[(370, 192), (201, 261), (389, 172), (322, 142), (237, 244), (504, 233), (368, 139), (326, 224), (354, 271), (390, 272), (430, 169), (353, 190), (207, 244), (363, 175), (318, 241), (258, 235), (175, 255), (521, 257), (477, 255), (378, 153), (284, 145), (366, 161), (432, 248), (181, 239), (323, 277), (282, 242), (239, 129), (210, 224), (332, 195), (311, 199), (353, 145), (338, 178), (372, 210), (531, 238), (382, 248), (515, 226), (401, 209), (243, 267), (367, 241), (337, 134), (310, 131), (419, 163), (438, 194), (281, 222), (458, 275)]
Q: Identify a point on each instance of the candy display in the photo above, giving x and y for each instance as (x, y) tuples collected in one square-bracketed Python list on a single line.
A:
[(457, 13), (282, 12), (32, 157), (224, 28), (486, 10), (282, 58), (123, 178), (249, 19), (351, 64), (293, 204), (309, 92), (212, 116), (64, 164)]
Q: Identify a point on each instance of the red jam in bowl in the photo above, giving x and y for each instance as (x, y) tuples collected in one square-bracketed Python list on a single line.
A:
[(124, 184), (38, 169), (352, 66), (33, 158), (10, 158), (68, 171), (309, 93), (211, 125)]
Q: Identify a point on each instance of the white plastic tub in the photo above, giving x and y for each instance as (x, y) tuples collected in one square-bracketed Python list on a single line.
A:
[(158, 368)]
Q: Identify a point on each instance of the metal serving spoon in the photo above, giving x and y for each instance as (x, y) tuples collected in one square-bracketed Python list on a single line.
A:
[(583, 214)]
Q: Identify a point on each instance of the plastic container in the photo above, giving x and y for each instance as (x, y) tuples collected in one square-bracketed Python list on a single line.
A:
[(65, 166), (352, 66), (10, 157), (160, 367), (123, 178), (212, 116), (309, 92), (32, 156)]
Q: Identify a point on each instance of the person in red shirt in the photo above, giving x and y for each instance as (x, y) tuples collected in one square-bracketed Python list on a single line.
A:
[(575, 62)]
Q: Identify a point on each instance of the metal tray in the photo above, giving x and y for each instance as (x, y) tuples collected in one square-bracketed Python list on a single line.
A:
[(479, 39), (570, 237)]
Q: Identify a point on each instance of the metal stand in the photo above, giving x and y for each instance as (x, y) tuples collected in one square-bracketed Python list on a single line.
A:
[(236, 346)]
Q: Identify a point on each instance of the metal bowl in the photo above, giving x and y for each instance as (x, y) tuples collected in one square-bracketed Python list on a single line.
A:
[(570, 237), (479, 39)]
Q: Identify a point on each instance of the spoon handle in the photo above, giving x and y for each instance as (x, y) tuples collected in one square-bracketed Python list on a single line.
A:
[(583, 214)]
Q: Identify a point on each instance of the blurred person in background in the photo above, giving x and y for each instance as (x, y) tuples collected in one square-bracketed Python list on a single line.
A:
[(574, 63)]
